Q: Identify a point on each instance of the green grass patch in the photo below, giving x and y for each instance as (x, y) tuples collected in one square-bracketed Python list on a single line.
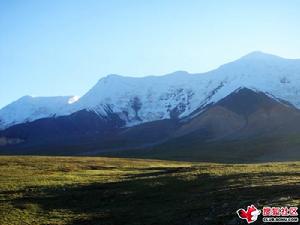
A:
[(92, 190)]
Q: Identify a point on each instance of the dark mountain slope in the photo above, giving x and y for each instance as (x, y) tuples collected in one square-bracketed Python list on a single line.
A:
[(242, 114), (78, 123), (78, 129), (245, 126), (83, 132)]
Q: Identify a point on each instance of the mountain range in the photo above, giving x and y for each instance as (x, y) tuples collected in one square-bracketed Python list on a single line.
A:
[(243, 111)]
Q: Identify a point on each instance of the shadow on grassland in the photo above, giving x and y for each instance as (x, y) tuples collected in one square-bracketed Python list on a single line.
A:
[(163, 198)]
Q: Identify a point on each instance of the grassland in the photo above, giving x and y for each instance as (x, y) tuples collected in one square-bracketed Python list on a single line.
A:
[(111, 191)]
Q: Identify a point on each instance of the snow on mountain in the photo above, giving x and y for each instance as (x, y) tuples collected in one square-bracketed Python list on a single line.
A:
[(178, 94), (268, 73), (140, 99), (29, 108)]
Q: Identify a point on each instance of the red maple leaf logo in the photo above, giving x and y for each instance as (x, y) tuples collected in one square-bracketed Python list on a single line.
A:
[(250, 215)]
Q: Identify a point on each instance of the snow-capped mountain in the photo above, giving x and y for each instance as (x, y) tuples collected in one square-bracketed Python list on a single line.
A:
[(179, 94), (138, 100), (27, 109)]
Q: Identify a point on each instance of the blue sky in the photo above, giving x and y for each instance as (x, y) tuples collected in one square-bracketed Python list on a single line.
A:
[(62, 47)]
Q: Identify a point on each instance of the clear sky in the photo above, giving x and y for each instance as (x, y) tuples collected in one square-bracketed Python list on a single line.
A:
[(62, 47)]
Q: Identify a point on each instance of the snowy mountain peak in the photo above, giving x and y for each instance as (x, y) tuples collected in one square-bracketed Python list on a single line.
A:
[(73, 99), (179, 73), (258, 55), (112, 76), (26, 97), (260, 58), (28, 108), (117, 77), (175, 95)]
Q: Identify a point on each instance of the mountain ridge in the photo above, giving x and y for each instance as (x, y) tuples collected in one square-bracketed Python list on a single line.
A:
[(180, 93), (241, 127)]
